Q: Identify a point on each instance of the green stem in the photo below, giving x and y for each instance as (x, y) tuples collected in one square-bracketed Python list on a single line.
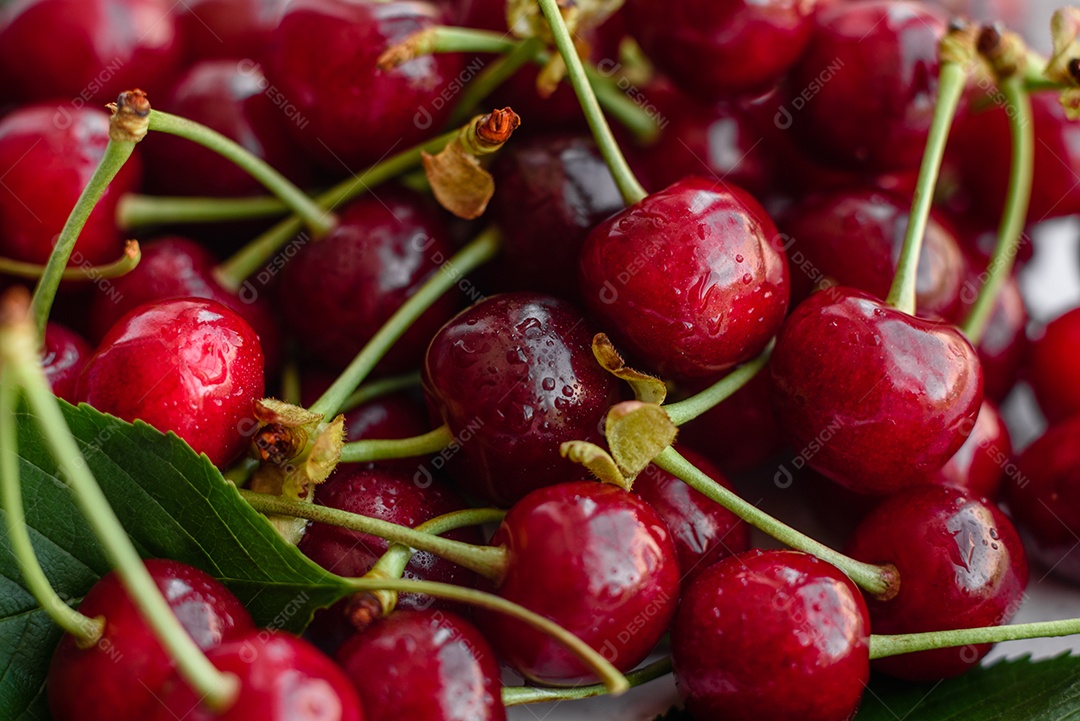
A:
[(492, 77), (87, 631), (488, 561), (450, 39), (520, 695), (883, 646), (127, 263), (385, 449), (1011, 230), (319, 221), (376, 389), (950, 90), (880, 581), (477, 252), (687, 410), (116, 154), (615, 682), (138, 211), (631, 189), (619, 105)]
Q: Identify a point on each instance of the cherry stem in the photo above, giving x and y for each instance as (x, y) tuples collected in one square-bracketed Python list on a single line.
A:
[(950, 90), (373, 390), (116, 154), (1011, 230), (478, 251), (488, 561), (319, 221), (614, 681), (520, 695), (631, 190), (19, 349), (687, 410), (492, 77), (137, 211), (882, 646), (383, 449), (880, 581), (86, 631), (127, 263)]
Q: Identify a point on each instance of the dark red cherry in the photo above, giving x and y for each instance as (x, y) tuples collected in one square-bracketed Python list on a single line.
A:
[(716, 48), (854, 238), (119, 676), (190, 366), (690, 281), (397, 415), (236, 29), (87, 51), (47, 156), (596, 560), (282, 678), (353, 114), (703, 531), (231, 97), (961, 565), (426, 665), (771, 635), (1051, 368), (863, 95), (981, 464), (336, 293), (875, 399), (514, 377), (1004, 346), (63, 357)]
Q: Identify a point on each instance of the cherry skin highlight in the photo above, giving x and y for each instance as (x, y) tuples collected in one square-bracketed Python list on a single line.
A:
[(1051, 368), (63, 357), (981, 464)]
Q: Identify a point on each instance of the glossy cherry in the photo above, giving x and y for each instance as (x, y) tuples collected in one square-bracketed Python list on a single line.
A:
[(771, 635), (595, 559), (514, 377), (119, 676), (703, 531), (426, 665), (353, 113), (63, 357), (1004, 346), (236, 29), (190, 366), (336, 293), (46, 158), (961, 565), (398, 415), (878, 400), (688, 282), (713, 49), (1051, 368), (982, 463), (863, 94), (282, 678)]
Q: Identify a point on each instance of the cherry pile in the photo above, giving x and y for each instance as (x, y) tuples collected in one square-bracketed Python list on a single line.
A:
[(737, 248)]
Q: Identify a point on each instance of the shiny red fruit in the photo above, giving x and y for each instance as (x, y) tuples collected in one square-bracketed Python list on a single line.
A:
[(982, 463), (234, 29), (1051, 368), (63, 357)]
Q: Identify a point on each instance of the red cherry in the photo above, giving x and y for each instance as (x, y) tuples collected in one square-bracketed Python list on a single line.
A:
[(190, 366), (1004, 345), (689, 282), (63, 358), (961, 565), (234, 29), (771, 635), (875, 399), (426, 665), (980, 466), (1051, 369), (120, 675), (397, 415)]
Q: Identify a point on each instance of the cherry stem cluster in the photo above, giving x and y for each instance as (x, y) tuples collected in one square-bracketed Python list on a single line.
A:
[(687, 410), (520, 695), (122, 266), (137, 211), (383, 449)]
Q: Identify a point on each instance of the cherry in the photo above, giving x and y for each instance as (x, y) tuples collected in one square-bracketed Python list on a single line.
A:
[(336, 293), (878, 400), (230, 97), (1004, 345), (596, 560), (715, 49), (190, 366), (1051, 368), (961, 565), (46, 159), (703, 532), (282, 678), (514, 377), (353, 113), (863, 95), (771, 635), (397, 415), (87, 51), (981, 463), (64, 355), (228, 28), (123, 671), (426, 665), (688, 282)]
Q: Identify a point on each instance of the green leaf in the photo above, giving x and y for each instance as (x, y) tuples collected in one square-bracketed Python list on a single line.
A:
[(174, 504)]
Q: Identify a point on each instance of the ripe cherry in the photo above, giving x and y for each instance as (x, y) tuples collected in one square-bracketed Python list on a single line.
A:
[(980, 466), (1004, 346), (63, 357), (514, 377), (427, 665), (397, 415), (237, 29), (878, 399), (961, 565), (1051, 369), (771, 635), (190, 366), (688, 282), (124, 670)]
